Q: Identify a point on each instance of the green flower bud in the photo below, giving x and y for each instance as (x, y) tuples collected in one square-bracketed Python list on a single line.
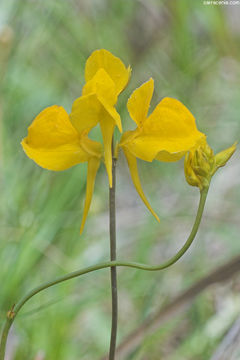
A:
[(222, 157), (190, 175), (201, 164)]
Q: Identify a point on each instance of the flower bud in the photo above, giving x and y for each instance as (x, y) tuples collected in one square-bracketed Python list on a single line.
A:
[(190, 175), (201, 164), (222, 157)]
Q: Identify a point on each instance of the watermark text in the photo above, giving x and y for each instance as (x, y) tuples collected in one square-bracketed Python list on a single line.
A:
[(221, 2)]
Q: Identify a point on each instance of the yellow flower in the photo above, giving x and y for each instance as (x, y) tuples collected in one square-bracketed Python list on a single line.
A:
[(54, 144), (106, 76), (201, 164), (165, 135)]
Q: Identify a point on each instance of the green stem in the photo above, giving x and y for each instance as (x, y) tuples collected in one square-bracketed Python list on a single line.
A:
[(15, 310), (113, 255)]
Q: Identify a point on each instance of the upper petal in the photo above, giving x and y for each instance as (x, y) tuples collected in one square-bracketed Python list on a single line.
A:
[(139, 102), (105, 90), (166, 134), (103, 59), (54, 144), (51, 128), (88, 110), (103, 86), (170, 119)]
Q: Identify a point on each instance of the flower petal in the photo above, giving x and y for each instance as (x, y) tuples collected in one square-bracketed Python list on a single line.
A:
[(85, 112), (52, 141), (139, 102), (149, 147), (93, 166), (103, 59), (103, 86), (88, 110), (58, 159), (132, 163), (51, 128), (91, 147), (166, 134), (171, 119), (107, 127), (169, 157), (114, 115)]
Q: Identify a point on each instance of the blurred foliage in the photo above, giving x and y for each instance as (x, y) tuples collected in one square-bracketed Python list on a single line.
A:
[(192, 51)]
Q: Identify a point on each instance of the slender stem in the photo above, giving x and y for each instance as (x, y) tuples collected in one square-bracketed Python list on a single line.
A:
[(113, 254), (14, 311), (4, 338)]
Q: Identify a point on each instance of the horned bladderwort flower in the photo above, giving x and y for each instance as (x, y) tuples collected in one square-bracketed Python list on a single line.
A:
[(165, 135), (201, 164), (57, 141), (106, 77), (54, 144)]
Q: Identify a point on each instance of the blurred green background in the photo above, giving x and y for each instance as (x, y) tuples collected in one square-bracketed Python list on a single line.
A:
[(192, 51)]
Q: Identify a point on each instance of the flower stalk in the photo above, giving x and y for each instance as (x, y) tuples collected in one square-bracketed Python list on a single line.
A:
[(15, 310), (113, 255)]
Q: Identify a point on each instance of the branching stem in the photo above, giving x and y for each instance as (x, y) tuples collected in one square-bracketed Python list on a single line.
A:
[(15, 310)]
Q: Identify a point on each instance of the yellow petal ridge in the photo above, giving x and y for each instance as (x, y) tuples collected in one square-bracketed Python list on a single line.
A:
[(93, 165), (132, 164)]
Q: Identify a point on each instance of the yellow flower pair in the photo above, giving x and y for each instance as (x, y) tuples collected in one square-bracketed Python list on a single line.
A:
[(57, 141)]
